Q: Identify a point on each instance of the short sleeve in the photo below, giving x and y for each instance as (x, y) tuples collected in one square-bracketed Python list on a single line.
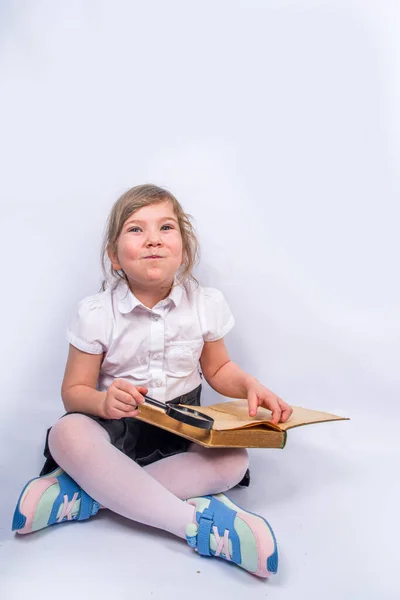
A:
[(87, 330), (215, 315)]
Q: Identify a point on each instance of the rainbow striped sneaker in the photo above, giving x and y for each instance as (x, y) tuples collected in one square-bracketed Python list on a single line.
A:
[(51, 499), (224, 529)]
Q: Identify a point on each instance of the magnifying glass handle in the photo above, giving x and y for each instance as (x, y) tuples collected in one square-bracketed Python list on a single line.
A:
[(155, 402)]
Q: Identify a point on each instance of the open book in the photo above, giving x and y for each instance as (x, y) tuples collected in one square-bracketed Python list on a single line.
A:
[(233, 428)]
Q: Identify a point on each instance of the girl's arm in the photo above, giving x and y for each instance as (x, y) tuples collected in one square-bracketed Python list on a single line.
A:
[(228, 379), (78, 389)]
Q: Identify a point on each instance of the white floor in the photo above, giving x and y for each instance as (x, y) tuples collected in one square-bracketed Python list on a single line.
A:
[(332, 496)]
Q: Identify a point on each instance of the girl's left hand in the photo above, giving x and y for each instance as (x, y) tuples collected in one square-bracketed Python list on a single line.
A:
[(258, 395)]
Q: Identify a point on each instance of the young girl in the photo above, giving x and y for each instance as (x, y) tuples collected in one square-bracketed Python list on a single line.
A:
[(146, 333)]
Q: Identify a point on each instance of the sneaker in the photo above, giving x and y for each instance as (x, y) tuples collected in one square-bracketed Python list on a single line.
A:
[(51, 499), (225, 530)]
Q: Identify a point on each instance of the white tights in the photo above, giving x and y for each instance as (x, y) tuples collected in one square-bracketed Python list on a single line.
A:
[(153, 495)]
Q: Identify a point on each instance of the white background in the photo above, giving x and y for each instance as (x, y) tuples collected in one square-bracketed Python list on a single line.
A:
[(276, 124)]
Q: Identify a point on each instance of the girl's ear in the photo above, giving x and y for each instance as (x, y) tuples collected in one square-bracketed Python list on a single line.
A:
[(112, 255)]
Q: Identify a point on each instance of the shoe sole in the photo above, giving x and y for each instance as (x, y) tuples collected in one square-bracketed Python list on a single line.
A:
[(24, 513), (266, 566)]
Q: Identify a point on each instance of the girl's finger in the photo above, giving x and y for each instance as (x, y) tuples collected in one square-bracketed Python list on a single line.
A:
[(137, 396), (132, 413), (129, 388), (125, 398), (276, 412), (253, 403), (121, 384), (286, 410), (123, 414), (123, 406), (142, 390)]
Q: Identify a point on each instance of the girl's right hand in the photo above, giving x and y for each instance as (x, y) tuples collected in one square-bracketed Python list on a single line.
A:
[(122, 400)]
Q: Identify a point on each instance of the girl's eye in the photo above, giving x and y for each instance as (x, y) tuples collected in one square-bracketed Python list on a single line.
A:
[(167, 227), (134, 229)]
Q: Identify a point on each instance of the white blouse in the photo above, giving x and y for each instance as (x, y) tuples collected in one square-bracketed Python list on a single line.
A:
[(158, 348)]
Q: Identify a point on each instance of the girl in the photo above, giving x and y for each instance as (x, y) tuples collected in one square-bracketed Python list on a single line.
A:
[(146, 333)]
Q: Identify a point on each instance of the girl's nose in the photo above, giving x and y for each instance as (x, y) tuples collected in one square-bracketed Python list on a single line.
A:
[(153, 239)]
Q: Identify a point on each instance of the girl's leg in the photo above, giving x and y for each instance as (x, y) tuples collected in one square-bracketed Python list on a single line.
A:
[(201, 471), (83, 449), (214, 525), (195, 473)]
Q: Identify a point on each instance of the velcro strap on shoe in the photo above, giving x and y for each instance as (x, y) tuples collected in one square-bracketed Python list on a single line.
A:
[(87, 508), (203, 537)]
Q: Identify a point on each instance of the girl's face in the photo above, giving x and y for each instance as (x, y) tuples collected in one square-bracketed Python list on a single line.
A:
[(149, 247)]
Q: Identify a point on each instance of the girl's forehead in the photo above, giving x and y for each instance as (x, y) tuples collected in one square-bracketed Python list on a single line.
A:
[(154, 211)]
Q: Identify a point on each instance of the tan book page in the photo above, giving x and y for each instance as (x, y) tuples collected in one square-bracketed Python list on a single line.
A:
[(305, 416), (235, 415), (239, 415)]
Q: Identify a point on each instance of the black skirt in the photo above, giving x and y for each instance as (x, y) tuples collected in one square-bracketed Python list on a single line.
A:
[(142, 442)]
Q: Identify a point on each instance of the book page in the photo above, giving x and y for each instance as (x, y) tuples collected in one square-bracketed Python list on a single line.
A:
[(235, 415), (239, 416)]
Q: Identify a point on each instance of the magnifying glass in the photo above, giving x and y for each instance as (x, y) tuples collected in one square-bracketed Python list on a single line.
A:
[(183, 414)]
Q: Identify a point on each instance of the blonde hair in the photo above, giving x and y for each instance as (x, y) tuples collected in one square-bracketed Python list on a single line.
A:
[(124, 207)]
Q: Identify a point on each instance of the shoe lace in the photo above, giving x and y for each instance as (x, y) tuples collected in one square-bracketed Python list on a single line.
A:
[(222, 543), (67, 508)]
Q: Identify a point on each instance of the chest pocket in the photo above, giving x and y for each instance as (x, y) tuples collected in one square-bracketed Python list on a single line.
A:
[(183, 357)]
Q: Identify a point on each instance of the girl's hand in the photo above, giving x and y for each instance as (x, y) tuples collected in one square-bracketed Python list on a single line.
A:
[(258, 395), (122, 400)]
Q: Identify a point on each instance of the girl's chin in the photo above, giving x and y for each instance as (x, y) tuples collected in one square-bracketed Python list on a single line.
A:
[(154, 276)]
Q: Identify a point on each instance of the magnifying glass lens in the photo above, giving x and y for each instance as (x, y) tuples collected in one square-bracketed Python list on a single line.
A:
[(194, 414)]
